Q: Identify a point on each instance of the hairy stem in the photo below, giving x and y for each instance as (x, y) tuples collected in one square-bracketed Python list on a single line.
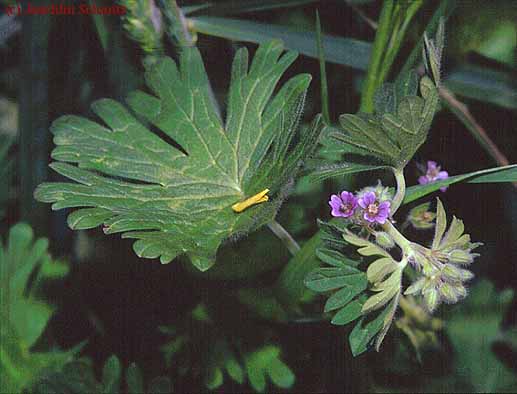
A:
[(284, 236), (399, 239), (401, 190)]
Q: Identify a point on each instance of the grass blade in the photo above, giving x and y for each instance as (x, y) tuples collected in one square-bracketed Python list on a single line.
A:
[(323, 73)]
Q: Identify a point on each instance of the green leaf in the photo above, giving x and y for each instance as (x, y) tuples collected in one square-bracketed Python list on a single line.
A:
[(346, 51), (214, 379), (266, 362), (346, 294), (325, 279), (335, 258), (280, 374), (290, 285), (179, 201), (364, 332), (480, 83), (491, 175), (380, 268), (347, 314), (111, 373), (441, 224), (134, 379), (387, 290), (245, 6), (389, 138), (472, 327), (388, 320), (22, 260), (160, 385), (366, 248), (320, 173), (323, 73), (234, 370), (484, 84)]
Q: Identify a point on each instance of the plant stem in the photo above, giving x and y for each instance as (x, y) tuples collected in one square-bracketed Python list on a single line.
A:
[(401, 190), (399, 239), (397, 39), (284, 236), (478, 132), (382, 36), (323, 74)]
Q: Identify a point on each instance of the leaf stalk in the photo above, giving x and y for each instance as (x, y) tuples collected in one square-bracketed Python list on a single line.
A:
[(284, 236)]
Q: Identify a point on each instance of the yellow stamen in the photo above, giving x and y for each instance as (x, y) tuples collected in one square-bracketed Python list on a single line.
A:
[(256, 199)]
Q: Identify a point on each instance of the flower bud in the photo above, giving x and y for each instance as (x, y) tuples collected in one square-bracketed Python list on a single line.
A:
[(416, 287), (460, 290), (431, 299), (459, 256), (421, 218), (452, 273), (384, 240), (448, 293)]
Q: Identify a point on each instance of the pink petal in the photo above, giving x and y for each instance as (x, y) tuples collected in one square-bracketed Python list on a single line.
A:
[(384, 208), (381, 219), (336, 213), (431, 165), (368, 218), (442, 175), (367, 199), (423, 180)]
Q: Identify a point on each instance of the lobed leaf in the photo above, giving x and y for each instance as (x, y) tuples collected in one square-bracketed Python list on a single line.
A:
[(325, 279), (175, 197), (347, 314), (346, 294)]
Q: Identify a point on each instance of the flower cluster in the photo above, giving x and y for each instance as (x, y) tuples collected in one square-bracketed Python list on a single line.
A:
[(366, 206), (443, 279), (433, 173)]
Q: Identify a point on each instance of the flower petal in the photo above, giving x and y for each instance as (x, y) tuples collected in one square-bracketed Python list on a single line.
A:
[(335, 202), (442, 175), (367, 199), (384, 208), (368, 218), (423, 180), (431, 165), (337, 213)]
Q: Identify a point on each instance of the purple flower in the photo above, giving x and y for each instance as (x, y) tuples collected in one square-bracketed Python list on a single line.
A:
[(433, 174), (374, 211), (344, 205)]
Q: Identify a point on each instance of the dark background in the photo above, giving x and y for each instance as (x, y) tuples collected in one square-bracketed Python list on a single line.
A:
[(56, 65)]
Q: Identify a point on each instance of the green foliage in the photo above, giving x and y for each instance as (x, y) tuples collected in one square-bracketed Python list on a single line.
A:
[(207, 342), (346, 286), (346, 51), (184, 207), (472, 328), (256, 367), (398, 128), (25, 266), (78, 377), (490, 175), (240, 7), (266, 362)]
